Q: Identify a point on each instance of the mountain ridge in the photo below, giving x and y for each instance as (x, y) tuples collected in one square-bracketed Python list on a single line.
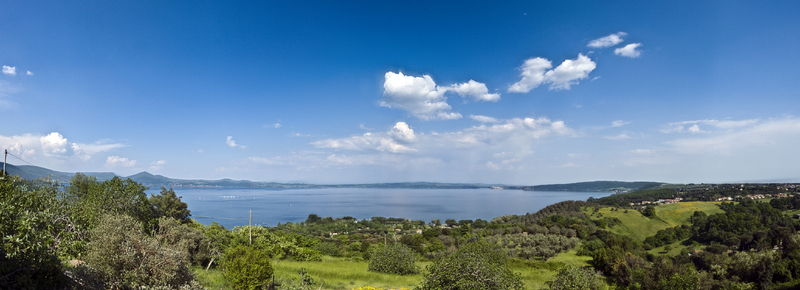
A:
[(156, 181)]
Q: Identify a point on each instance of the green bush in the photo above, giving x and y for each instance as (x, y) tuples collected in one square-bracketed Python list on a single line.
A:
[(477, 265), (394, 259), (128, 258), (246, 267), (572, 277), (195, 245)]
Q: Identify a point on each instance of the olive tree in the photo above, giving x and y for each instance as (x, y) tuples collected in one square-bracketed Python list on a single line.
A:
[(477, 265)]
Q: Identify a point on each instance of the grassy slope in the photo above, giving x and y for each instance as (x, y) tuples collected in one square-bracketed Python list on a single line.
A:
[(639, 227), (340, 273)]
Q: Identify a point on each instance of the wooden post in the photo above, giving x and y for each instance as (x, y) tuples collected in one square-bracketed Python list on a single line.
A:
[(251, 227)]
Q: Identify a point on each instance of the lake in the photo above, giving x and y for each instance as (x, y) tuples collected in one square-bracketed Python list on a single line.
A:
[(230, 206)]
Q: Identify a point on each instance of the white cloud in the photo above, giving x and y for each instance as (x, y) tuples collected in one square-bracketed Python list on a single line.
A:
[(9, 70), (385, 142), (746, 135), (477, 91), (642, 151), (623, 136), (535, 72), (680, 127), (483, 119), (629, 50), (402, 132), (277, 125), (448, 116), (30, 73), (568, 164), (619, 123), (156, 165), (532, 75), (569, 72), (53, 143), (418, 95), (362, 127), (116, 161), (607, 41), (232, 143), (492, 166)]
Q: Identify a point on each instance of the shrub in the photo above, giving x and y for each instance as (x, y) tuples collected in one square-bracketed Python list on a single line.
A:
[(192, 242), (394, 259), (127, 258), (572, 277), (478, 265), (246, 267)]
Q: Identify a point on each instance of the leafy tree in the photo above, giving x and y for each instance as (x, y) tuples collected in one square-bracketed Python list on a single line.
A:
[(394, 259), (571, 277), (312, 219), (247, 267), (80, 184), (478, 265), (115, 196), (649, 211), (126, 257), (168, 204), (28, 257)]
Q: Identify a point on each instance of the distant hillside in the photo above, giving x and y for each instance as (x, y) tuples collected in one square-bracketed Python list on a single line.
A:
[(156, 181), (618, 186)]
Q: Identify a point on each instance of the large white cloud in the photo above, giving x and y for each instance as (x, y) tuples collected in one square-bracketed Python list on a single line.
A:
[(53, 143), (607, 41), (418, 95), (535, 72), (427, 101), (629, 50)]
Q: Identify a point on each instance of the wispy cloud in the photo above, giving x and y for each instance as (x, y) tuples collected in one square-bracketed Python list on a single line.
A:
[(116, 161), (629, 50), (232, 143), (607, 41), (483, 119), (536, 71)]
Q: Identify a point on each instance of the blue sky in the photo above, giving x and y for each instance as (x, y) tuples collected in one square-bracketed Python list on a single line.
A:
[(451, 91)]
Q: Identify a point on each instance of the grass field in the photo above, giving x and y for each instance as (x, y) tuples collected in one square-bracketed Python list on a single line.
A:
[(340, 273), (639, 227)]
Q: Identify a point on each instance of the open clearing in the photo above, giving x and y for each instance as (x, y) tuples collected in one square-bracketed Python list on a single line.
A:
[(639, 227)]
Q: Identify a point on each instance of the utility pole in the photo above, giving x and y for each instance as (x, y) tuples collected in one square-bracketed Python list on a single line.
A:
[(251, 227)]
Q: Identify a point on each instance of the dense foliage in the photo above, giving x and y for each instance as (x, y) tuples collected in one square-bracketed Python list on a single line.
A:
[(247, 267), (571, 278), (394, 259), (478, 265), (168, 204)]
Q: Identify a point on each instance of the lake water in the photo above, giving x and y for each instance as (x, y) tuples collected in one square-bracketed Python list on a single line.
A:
[(230, 206)]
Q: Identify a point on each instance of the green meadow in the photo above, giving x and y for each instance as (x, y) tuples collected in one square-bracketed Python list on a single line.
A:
[(639, 227)]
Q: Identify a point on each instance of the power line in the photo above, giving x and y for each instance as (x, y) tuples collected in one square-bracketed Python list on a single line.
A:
[(31, 164)]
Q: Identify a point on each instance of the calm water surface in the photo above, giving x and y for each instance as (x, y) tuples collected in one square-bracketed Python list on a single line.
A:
[(230, 206)]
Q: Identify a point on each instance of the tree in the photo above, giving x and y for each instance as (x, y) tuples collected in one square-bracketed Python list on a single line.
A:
[(126, 257), (312, 219), (649, 211), (572, 277), (394, 259), (247, 267), (477, 265), (451, 222), (80, 184), (168, 204), (28, 257)]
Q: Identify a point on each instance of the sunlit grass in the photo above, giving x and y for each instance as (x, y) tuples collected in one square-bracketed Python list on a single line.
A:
[(639, 227), (340, 273)]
